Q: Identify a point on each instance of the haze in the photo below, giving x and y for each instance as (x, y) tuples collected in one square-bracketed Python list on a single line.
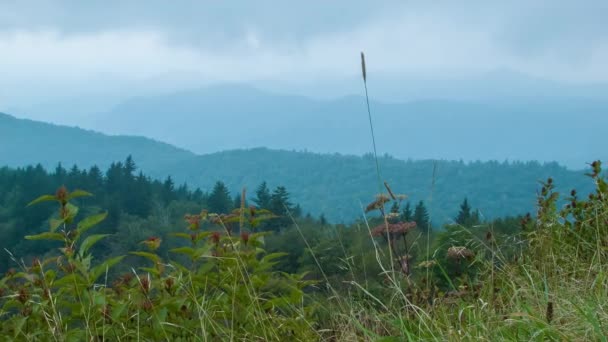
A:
[(72, 62)]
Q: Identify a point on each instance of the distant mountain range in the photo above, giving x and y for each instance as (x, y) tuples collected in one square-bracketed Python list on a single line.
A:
[(206, 120), (334, 184)]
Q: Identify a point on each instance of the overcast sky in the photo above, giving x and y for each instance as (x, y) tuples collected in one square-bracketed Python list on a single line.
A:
[(55, 47)]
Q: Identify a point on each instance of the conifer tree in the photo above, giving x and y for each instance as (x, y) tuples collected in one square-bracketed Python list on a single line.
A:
[(219, 201), (421, 217), (407, 214), (262, 199)]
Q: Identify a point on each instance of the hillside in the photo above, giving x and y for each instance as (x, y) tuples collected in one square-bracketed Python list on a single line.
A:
[(332, 184), (336, 185), (24, 142), (218, 118)]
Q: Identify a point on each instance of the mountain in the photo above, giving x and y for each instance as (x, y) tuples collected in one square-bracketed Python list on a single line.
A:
[(207, 120), (24, 142), (334, 184), (340, 185)]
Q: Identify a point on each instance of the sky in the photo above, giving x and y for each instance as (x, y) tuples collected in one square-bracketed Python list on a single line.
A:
[(58, 49)]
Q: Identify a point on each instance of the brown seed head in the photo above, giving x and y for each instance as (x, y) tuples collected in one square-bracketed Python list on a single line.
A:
[(62, 195), (215, 237), (245, 237), (457, 253)]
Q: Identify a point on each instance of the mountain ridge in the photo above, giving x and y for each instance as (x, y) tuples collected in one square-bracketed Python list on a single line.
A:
[(337, 185)]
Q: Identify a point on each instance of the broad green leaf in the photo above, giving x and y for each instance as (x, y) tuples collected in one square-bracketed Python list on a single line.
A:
[(150, 256), (100, 269), (182, 235), (89, 242), (72, 210), (43, 198), (90, 221), (55, 223), (78, 193), (50, 275), (70, 279), (273, 256), (184, 250), (46, 236), (118, 310), (150, 270), (18, 325)]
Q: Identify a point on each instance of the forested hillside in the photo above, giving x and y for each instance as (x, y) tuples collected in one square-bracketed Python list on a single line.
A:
[(331, 184), (336, 185)]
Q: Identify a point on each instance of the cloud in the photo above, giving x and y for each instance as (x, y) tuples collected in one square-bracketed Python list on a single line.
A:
[(73, 43)]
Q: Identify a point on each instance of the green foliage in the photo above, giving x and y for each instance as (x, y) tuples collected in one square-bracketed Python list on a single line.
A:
[(527, 277), (226, 289), (219, 200)]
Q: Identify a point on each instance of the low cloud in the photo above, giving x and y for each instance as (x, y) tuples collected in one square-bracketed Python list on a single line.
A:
[(564, 42)]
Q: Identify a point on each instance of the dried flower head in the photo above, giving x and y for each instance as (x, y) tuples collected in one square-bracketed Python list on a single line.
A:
[(363, 71), (378, 203), (245, 237), (549, 312), (427, 264), (62, 195), (194, 221), (394, 229), (169, 282), (145, 284), (457, 253), (23, 295), (215, 237), (147, 305)]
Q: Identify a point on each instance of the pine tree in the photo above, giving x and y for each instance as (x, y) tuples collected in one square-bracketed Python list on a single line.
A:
[(262, 194), (219, 201), (466, 217), (281, 206), (129, 167), (167, 190), (421, 217), (407, 214)]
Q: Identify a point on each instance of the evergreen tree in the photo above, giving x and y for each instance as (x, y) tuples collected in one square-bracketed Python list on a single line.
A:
[(219, 201), (94, 180), (262, 194), (421, 217), (281, 206), (168, 190), (466, 217), (129, 167), (407, 214)]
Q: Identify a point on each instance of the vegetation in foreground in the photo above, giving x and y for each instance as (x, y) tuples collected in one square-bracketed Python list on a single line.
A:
[(385, 279)]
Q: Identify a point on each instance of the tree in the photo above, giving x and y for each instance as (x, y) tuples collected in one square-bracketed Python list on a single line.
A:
[(220, 201), (168, 190), (262, 194), (281, 206), (465, 216), (129, 167), (407, 214), (421, 217)]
